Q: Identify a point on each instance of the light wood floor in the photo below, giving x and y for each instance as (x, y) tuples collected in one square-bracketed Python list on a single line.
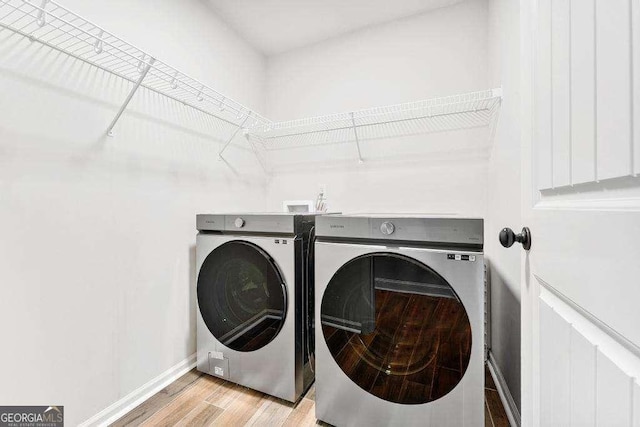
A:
[(201, 400)]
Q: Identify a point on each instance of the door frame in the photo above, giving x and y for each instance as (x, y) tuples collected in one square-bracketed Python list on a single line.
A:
[(529, 289)]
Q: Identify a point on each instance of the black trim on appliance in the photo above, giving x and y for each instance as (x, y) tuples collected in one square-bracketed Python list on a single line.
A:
[(248, 233), (470, 247)]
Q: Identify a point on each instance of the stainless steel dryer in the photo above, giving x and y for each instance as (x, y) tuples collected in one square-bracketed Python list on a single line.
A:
[(254, 324), (399, 301)]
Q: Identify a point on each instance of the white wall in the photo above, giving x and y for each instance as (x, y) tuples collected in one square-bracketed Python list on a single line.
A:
[(437, 53), (434, 54), (97, 234), (504, 188)]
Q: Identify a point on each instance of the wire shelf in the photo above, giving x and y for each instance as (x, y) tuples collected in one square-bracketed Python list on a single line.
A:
[(49, 23), (462, 111)]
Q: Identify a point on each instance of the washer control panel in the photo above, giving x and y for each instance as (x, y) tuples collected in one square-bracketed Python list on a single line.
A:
[(461, 257), (408, 228), (387, 228), (252, 223)]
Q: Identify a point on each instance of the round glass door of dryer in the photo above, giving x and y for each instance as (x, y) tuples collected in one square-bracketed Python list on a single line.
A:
[(396, 328), (241, 296)]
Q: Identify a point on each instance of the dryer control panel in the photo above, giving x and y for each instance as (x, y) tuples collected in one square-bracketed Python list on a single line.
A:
[(437, 230)]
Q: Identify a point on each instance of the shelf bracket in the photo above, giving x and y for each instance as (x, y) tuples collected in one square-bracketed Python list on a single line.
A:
[(233, 135), (41, 19), (143, 74), (355, 133), (247, 135)]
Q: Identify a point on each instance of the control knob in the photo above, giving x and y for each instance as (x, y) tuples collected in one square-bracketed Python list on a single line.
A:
[(387, 228), (239, 223)]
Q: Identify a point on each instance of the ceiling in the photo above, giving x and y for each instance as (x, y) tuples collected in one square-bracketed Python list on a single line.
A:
[(276, 26)]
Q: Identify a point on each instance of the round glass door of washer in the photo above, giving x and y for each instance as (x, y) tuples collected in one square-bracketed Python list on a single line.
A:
[(396, 328), (241, 296)]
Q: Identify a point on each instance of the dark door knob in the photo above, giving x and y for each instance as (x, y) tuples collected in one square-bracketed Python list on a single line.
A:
[(508, 238)]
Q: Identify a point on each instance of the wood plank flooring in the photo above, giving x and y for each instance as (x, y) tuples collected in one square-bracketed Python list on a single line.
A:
[(196, 399)]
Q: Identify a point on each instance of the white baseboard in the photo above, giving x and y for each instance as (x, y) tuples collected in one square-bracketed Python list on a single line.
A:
[(513, 414), (127, 403)]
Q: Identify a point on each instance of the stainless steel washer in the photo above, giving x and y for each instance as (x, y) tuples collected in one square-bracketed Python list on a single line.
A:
[(400, 302), (254, 324)]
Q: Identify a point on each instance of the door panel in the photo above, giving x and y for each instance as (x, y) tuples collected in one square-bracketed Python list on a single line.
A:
[(581, 199), (592, 258), (561, 92), (555, 381), (587, 232), (583, 49), (636, 404), (544, 149), (396, 328), (586, 377), (582, 95), (613, 393), (613, 87), (582, 367), (241, 296)]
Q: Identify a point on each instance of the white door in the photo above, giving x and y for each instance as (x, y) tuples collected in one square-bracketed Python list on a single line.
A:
[(581, 200)]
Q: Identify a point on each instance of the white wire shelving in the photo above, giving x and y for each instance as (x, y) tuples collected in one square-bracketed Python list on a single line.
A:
[(49, 23), (463, 111)]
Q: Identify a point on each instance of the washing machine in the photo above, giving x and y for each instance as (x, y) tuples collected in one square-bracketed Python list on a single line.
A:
[(255, 303), (400, 321)]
